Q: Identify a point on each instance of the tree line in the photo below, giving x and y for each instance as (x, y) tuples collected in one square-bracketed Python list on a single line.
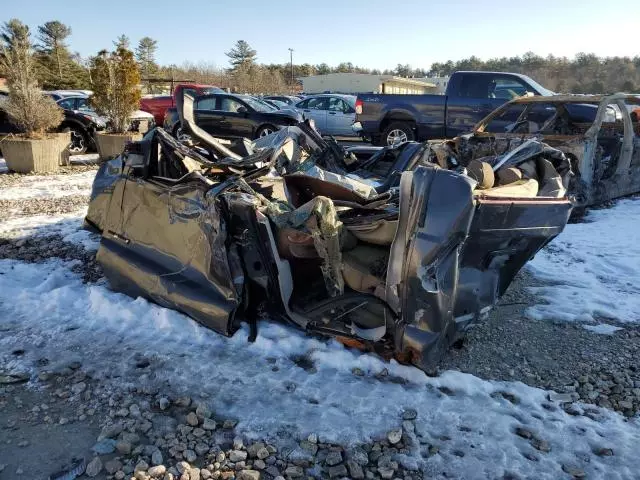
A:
[(59, 68)]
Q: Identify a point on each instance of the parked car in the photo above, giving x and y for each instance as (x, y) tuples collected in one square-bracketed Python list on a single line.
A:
[(157, 105), (140, 121), (81, 126), (597, 133), (402, 268), (230, 116), (288, 99), (470, 96), (333, 114), (276, 103)]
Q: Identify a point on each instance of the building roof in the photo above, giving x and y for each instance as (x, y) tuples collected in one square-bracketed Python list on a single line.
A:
[(382, 78)]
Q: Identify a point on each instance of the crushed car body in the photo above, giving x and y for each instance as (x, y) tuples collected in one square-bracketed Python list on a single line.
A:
[(599, 134), (381, 248)]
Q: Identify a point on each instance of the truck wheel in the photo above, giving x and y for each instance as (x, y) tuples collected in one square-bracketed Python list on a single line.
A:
[(397, 132)]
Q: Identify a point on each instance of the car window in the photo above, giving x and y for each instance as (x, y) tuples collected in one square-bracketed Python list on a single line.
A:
[(206, 104), (67, 103), (83, 104), (191, 91), (491, 86), (338, 105), (318, 103), (230, 105), (506, 88)]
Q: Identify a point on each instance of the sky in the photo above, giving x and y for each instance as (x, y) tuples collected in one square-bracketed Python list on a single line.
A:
[(374, 33)]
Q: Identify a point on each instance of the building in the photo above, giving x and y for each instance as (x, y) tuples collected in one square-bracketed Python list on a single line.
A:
[(440, 82), (364, 83)]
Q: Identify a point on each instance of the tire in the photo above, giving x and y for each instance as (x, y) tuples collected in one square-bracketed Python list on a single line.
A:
[(79, 140), (265, 130), (398, 131)]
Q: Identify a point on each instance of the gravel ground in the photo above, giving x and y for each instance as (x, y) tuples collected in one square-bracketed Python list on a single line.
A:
[(143, 434)]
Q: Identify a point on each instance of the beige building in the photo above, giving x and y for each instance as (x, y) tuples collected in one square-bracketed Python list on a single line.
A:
[(364, 83)]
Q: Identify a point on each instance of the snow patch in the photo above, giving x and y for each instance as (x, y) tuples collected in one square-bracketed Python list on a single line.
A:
[(48, 311), (592, 268), (49, 186), (603, 328)]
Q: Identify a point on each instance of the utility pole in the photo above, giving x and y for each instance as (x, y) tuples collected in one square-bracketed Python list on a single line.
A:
[(291, 63)]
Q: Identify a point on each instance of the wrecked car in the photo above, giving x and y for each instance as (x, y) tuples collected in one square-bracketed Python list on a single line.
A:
[(381, 248), (598, 134)]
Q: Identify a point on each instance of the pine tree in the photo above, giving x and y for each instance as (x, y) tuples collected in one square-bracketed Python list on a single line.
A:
[(57, 66), (122, 41), (241, 55), (146, 56)]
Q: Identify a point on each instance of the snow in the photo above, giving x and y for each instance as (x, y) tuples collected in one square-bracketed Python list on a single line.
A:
[(49, 186), (591, 269), (262, 386), (603, 328), (286, 385)]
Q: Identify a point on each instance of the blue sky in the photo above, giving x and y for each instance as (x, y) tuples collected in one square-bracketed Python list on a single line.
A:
[(373, 33)]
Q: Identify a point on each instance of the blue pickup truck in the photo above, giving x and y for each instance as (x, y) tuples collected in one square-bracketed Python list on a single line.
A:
[(386, 119)]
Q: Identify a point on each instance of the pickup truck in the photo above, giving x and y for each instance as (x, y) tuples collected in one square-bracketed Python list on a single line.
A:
[(470, 96), (157, 105)]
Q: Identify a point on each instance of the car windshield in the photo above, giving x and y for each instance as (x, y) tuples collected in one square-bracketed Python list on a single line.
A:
[(258, 105), (545, 92)]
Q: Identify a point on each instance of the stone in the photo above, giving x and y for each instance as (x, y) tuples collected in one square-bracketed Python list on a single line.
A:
[(94, 467), (262, 453), (386, 473), (194, 473), (168, 476), (120, 475), (157, 471), (307, 446), (574, 471), (394, 436), (337, 471), (524, 433), (209, 424), (183, 402), (141, 466), (313, 438), (192, 419), (273, 471), (205, 473), (203, 411), (603, 452), (164, 403), (541, 445), (228, 424), (409, 414), (249, 475), (123, 448), (333, 458), (182, 467), (560, 397), (359, 456), (189, 455), (237, 456), (355, 470), (156, 458), (294, 471), (259, 464), (104, 446), (112, 466), (78, 388)]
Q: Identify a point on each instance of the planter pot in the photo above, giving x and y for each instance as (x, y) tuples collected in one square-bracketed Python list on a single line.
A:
[(110, 145), (26, 155)]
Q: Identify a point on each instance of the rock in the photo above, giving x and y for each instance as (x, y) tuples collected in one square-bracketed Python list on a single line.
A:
[(205, 474), (182, 467), (157, 471), (625, 405), (164, 403), (104, 446), (252, 450), (355, 470), (294, 471), (120, 475), (209, 424), (333, 458), (259, 464), (307, 446), (273, 471), (603, 452), (183, 402), (249, 475), (409, 414), (237, 456), (357, 372), (228, 424), (262, 453), (156, 458), (78, 388), (168, 476), (312, 438), (337, 471), (203, 411), (123, 448), (141, 466), (134, 410), (386, 473), (110, 431), (199, 432), (560, 397), (574, 471), (394, 436), (190, 456), (112, 466), (541, 445), (523, 432), (94, 467), (192, 419), (24, 443), (359, 456)]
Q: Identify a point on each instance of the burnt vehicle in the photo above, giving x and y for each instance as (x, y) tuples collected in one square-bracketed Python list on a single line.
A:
[(381, 248), (597, 133)]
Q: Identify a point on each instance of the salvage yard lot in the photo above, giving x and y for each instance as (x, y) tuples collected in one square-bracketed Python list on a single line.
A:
[(95, 358)]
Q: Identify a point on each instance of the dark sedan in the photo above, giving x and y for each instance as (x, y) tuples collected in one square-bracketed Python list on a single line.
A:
[(234, 116)]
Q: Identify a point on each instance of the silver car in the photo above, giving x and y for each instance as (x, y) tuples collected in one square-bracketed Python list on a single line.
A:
[(333, 113)]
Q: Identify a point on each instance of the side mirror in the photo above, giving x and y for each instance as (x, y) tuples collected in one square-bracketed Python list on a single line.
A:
[(241, 110)]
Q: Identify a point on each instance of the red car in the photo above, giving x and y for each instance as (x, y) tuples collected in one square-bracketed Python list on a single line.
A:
[(158, 105)]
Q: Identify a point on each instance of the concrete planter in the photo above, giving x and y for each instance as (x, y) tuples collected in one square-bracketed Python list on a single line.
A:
[(24, 155), (110, 145)]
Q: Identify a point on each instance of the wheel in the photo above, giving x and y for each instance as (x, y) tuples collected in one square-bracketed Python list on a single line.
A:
[(265, 130), (79, 140), (397, 132), (180, 135)]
